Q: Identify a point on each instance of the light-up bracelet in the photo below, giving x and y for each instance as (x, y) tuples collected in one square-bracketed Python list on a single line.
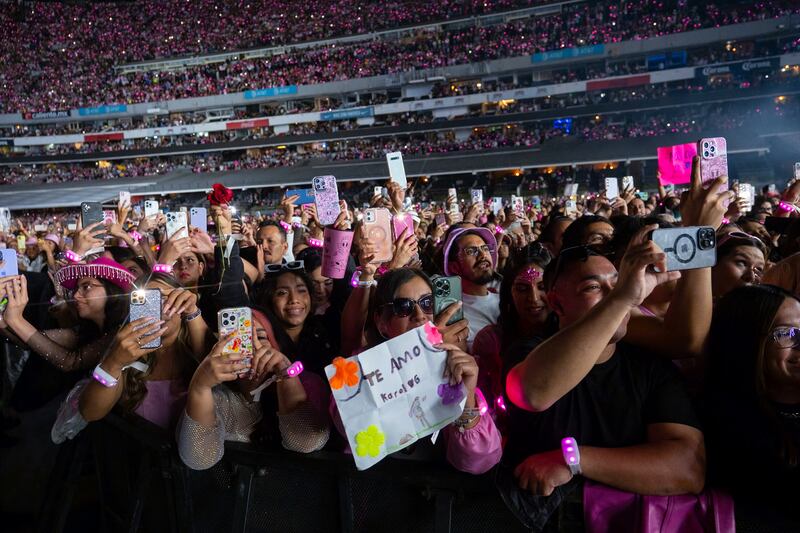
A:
[(104, 378), (500, 403), (572, 455), (286, 227), (315, 243), (499, 230), (161, 267), (72, 257), (480, 401), (786, 206), (292, 371), (135, 235)]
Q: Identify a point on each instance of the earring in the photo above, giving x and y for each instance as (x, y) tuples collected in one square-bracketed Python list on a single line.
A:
[(382, 334)]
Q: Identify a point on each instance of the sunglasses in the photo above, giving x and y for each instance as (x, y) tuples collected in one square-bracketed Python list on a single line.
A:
[(403, 307), (786, 337), (285, 267)]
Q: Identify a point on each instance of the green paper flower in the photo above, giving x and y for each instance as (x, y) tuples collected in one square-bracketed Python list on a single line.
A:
[(369, 441)]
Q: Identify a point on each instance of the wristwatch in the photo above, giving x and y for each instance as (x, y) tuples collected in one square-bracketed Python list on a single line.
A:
[(572, 455)]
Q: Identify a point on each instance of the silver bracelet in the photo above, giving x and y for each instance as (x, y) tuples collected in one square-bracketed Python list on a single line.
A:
[(189, 318)]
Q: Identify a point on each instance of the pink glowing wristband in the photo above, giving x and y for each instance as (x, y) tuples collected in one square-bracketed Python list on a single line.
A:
[(72, 257), (292, 371), (135, 235), (286, 227), (315, 243), (572, 455), (786, 206), (104, 378), (161, 267)]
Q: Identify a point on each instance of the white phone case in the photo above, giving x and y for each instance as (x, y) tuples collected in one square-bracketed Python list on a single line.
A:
[(397, 170), (150, 208), (612, 188)]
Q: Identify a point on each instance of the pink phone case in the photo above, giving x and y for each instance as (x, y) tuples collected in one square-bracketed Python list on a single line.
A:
[(378, 229), (326, 197), (713, 158), (400, 223)]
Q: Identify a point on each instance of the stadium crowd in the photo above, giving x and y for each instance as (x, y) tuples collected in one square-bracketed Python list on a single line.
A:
[(562, 324), (69, 77), (722, 117)]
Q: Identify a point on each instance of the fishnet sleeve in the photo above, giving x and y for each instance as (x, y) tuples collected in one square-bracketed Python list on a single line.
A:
[(307, 428), (59, 347), (201, 447)]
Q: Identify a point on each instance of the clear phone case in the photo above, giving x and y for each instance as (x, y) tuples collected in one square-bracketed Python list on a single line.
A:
[(326, 198), (240, 321)]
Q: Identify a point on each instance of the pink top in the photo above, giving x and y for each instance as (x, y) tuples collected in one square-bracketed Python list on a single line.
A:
[(164, 402), (646, 312), (475, 451)]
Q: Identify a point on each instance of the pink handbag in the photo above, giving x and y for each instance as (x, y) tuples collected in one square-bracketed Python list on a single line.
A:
[(608, 510)]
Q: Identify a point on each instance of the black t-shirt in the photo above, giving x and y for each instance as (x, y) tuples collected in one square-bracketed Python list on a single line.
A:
[(610, 408)]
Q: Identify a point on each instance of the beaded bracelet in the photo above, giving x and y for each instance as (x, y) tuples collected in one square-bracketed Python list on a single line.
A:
[(161, 267)]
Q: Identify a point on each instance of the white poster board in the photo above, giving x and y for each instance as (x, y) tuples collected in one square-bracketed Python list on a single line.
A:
[(394, 394)]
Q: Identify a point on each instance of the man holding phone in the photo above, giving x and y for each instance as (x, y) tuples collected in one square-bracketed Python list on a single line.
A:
[(471, 253), (626, 411)]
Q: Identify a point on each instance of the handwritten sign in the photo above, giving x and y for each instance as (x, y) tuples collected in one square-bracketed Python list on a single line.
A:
[(675, 163), (394, 394)]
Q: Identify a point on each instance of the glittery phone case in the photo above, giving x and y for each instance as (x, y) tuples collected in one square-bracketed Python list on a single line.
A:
[(146, 303), (326, 198), (239, 320), (713, 158), (176, 221)]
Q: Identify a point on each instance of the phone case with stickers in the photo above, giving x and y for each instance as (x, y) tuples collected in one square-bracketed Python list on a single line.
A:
[(477, 199), (713, 159), (378, 230), (146, 303), (627, 183), (176, 223), (517, 204), (612, 188), (326, 198), (238, 320)]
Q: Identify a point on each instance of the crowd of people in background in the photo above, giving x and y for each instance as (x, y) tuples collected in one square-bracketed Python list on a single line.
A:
[(688, 120), (58, 43), (570, 318)]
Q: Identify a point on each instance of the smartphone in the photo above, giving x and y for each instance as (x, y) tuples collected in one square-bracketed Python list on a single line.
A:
[(326, 197), (39, 227), (537, 202), (627, 183), (198, 217), (9, 265), (306, 196), (146, 303), (713, 159), (687, 248), (497, 204), (571, 207), (109, 216), (400, 223), (517, 204), (441, 219), (797, 171), (570, 190), (746, 192), (124, 197), (446, 292), (176, 223), (377, 191), (451, 192), (91, 212), (150, 208), (397, 171), (378, 229), (238, 320), (21, 243), (612, 188), (476, 196)]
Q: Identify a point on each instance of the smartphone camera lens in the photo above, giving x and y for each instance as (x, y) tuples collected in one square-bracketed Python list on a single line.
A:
[(705, 145), (706, 238)]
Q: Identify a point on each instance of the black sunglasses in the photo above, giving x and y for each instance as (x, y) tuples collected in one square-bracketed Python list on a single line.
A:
[(403, 307)]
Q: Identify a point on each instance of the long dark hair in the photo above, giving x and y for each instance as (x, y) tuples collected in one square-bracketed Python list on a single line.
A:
[(508, 321), (266, 296), (135, 388), (115, 313), (740, 329)]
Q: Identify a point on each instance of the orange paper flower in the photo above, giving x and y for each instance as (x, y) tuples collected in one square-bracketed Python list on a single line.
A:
[(346, 373)]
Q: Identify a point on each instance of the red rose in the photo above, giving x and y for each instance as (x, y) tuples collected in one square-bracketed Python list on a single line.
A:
[(220, 195)]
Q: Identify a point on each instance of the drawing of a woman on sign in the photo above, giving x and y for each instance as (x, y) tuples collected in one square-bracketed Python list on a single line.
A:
[(417, 412)]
